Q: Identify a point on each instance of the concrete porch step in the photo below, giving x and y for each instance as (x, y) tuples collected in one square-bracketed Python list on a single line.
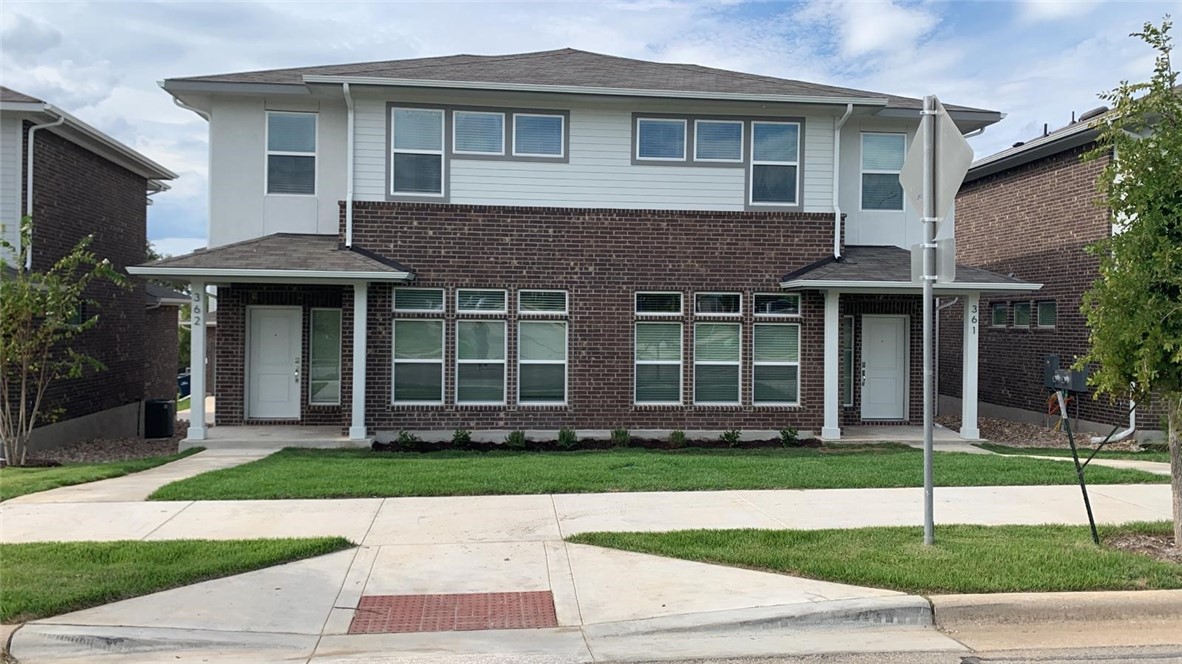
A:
[(272, 437)]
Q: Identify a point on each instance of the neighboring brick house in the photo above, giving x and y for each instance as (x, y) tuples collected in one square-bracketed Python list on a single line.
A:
[(558, 239), (1029, 212), (86, 183)]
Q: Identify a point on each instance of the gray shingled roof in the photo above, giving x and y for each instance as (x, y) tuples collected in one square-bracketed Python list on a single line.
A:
[(156, 294), (8, 94), (884, 264), (570, 67), (283, 251)]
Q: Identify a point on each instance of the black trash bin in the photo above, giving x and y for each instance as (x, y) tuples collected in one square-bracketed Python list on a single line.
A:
[(159, 418)]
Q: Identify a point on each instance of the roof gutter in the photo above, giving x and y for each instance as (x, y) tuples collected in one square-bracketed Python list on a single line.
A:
[(587, 90), (250, 273), (849, 109), (30, 143), (348, 166), (956, 286)]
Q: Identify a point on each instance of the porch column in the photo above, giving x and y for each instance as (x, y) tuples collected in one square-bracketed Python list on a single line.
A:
[(968, 388), (357, 430), (832, 427), (197, 306)]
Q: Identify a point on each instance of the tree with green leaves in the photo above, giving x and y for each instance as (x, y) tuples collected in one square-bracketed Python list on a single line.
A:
[(1134, 310), (40, 313)]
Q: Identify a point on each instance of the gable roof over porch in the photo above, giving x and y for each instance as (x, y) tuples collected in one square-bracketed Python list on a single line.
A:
[(889, 269)]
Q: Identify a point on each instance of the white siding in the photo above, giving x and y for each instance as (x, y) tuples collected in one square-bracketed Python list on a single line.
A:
[(817, 187), (873, 227), (10, 177)]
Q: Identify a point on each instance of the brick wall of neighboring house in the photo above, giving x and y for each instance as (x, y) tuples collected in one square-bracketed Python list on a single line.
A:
[(1032, 221), (76, 192), (160, 353)]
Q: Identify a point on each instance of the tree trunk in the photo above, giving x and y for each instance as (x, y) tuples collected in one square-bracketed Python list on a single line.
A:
[(1174, 410)]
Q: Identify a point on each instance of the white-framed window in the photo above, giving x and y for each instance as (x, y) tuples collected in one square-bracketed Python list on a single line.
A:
[(717, 355), (480, 301), (1021, 314), (418, 300), (539, 135), (882, 159), (480, 362), (1047, 315), (718, 140), (658, 303), (416, 163), (531, 302), (660, 139), (775, 160), (718, 304), (542, 359), (291, 153), (657, 364), (478, 132), (418, 361), (777, 304), (324, 358), (775, 371), (999, 314), (847, 361)]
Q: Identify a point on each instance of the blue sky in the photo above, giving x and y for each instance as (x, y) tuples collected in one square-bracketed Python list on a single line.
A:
[(1035, 60)]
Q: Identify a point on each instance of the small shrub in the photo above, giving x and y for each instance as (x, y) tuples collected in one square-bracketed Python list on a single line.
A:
[(677, 438), (515, 440), (620, 437), (731, 437), (567, 439), (407, 440), (789, 437), (461, 439)]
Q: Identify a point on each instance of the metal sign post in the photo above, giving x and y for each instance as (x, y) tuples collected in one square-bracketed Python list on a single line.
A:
[(928, 128)]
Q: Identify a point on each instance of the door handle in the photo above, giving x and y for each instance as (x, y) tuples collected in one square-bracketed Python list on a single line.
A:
[(297, 375)]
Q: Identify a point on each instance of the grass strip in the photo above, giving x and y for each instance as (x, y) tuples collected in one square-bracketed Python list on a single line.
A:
[(15, 481), (1084, 453)]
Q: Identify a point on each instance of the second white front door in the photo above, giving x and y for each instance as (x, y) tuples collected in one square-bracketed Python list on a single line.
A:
[(273, 374), (884, 367)]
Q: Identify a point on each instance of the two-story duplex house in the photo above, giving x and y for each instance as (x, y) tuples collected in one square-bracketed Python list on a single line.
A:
[(73, 181), (555, 239)]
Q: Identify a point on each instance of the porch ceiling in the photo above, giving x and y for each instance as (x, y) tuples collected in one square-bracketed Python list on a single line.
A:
[(888, 269)]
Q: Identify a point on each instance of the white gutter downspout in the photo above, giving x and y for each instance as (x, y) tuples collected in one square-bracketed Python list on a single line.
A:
[(849, 109), (1117, 437), (348, 167), (29, 178)]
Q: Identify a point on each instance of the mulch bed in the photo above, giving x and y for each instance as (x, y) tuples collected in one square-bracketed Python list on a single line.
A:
[(1158, 547), (552, 446), (1024, 434), (101, 450)]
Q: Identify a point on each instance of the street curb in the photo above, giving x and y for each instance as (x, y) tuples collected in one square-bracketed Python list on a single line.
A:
[(957, 612), (6, 634), (48, 641), (904, 610)]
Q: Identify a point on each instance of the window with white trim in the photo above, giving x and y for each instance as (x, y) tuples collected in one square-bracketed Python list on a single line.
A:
[(541, 302), (718, 304), (418, 300), (478, 132), (999, 314), (777, 304), (775, 161), (658, 304), (324, 358), (480, 301), (660, 139), (1021, 314), (291, 153), (775, 371), (716, 363), (657, 363), (480, 362), (847, 361), (882, 159), (1047, 316), (718, 141), (416, 165), (541, 370), (538, 135), (418, 361)]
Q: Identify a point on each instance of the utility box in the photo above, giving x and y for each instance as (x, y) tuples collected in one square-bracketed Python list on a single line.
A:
[(1056, 378), (159, 418)]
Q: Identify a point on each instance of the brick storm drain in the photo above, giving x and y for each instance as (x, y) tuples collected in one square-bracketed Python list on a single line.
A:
[(386, 614)]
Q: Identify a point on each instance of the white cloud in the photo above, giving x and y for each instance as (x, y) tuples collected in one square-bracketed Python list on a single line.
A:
[(865, 28), (176, 246), (1054, 10)]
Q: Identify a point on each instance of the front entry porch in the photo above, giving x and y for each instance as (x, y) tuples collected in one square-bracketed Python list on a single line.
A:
[(274, 437)]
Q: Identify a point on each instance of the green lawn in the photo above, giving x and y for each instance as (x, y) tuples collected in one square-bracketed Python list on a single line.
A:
[(1159, 457), (19, 481), (49, 578), (302, 473), (182, 404), (965, 559)]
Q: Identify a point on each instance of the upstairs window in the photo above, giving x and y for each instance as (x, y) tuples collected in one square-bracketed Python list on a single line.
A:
[(478, 132), (538, 135), (417, 164), (882, 159), (661, 140), (775, 160), (291, 153), (718, 140), (1000, 314), (1046, 313), (1021, 314)]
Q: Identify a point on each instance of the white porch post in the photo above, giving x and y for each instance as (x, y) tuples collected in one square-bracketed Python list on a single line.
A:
[(197, 309), (968, 389), (832, 428), (357, 430)]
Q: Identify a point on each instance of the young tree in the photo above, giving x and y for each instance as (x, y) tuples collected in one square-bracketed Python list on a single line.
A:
[(40, 312), (1134, 309)]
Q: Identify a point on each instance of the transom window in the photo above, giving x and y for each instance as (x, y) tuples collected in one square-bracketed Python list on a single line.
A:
[(418, 361), (775, 158), (480, 301), (480, 362), (478, 132), (416, 166), (291, 153), (775, 375), (658, 363), (777, 304), (1021, 314), (541, 370), (324, 358), (718, 304), (716, 363), (882, 159), (658, 304), (660, 139), (718, 140), (538, 135), (541, 302), (418, 299)]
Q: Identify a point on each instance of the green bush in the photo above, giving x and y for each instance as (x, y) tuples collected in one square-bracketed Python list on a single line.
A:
[(461, 438), (677, 438), (620, 437), (515, 440), (407, 440), (731, 437), (567, 439), (789, 437)]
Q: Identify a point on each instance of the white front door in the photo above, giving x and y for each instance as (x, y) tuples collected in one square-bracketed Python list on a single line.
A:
[(884, 367), (273, 374)]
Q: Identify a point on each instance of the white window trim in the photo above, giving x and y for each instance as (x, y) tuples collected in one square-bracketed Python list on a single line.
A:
[(862, 170), (484, 312), (850, 368), (636, 361), (766, 363), (1029, 314), (636, 304), (311, 352), (440, 153), (442, 362), (718, 314), (993, 307), (742, 137), (751, 169), (561, 135), (440, 310), (684, 139), (737, 363), (454, 142), (565, 302), (1038, 314), (504, 362), (315, 154), (764, 314), (565, 362)]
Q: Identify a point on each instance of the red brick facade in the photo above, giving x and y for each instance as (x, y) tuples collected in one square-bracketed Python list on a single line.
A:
[(160, 353)]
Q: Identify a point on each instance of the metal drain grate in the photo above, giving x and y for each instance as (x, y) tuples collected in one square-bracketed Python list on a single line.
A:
[(385, 614)]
